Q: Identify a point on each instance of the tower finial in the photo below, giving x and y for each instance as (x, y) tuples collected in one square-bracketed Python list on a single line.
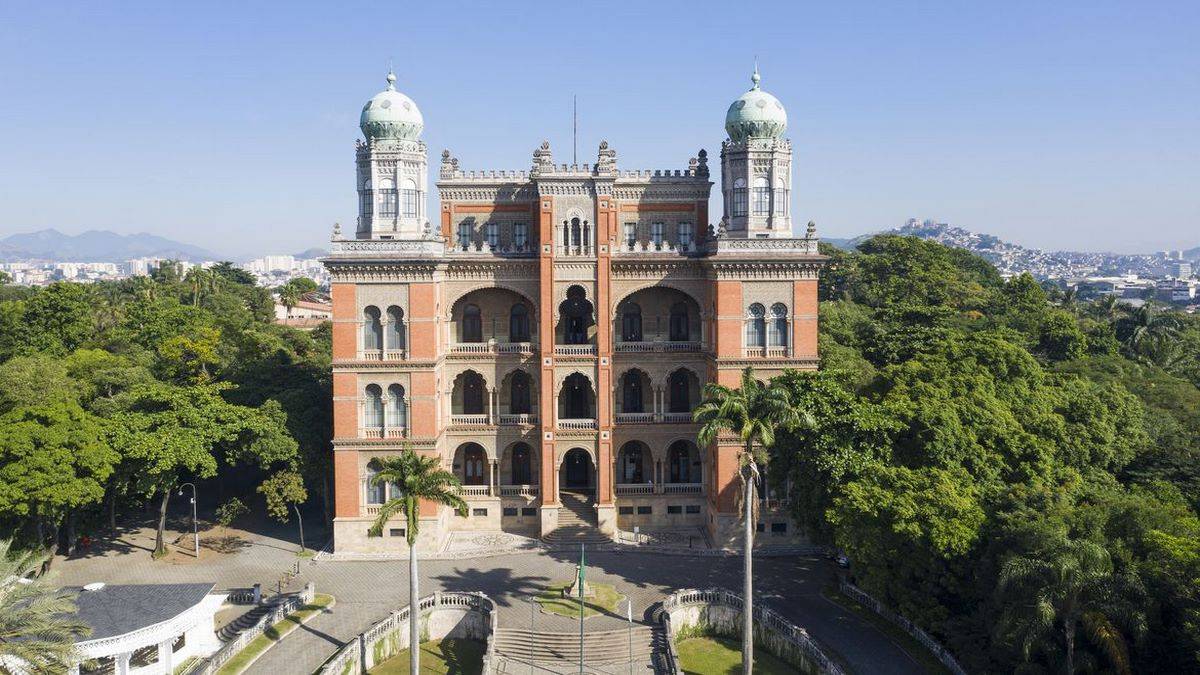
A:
[(755, 77), (391, 77)]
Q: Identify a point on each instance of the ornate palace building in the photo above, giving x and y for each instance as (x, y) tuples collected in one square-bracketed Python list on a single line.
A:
[(547, 334)]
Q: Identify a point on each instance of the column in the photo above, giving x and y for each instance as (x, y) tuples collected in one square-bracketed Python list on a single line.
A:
[(121, 661), (166, 656), (493, 485), (493, 404)]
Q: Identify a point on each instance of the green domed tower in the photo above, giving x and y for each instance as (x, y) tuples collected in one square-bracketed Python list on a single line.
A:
[(392, 167), (756, 166)]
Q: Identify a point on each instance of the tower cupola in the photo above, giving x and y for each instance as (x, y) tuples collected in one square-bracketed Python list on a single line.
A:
[(391, 115), (755, 114)]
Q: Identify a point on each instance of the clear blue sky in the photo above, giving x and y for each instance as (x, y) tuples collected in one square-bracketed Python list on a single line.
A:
[(231, 125)]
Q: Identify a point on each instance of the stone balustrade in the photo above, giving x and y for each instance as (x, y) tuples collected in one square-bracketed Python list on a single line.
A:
[(383, 432), (574, 350), (635, 488), (656, 347), (576, 424), (683, 488), (635, 418), (476, 491), (518, 420), (519, 491), (474, 420), (382, 355), (492, 347), (766, 352)]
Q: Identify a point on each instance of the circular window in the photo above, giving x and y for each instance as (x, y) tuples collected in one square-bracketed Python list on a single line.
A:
[(385, 104)]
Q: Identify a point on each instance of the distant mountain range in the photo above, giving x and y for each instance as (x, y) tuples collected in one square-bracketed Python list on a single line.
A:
[(97, 246)]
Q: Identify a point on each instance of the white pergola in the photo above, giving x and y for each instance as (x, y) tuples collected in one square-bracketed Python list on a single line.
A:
[(132, 611)]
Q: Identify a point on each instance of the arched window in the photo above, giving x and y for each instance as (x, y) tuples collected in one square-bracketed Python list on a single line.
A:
[(576, 235), (366, 200), (518, 395), (375, 493), (632, 463), (779, 325), (473, 393), (474, 465), (395, 331), (397, 408), (521, 469), (631, 323), (472, 324), (738, 208), (756, 326), (680, 393), (683, 236), (576, 313), (372, 329), (575, 399), (781, 198), (373, 407), (680, 460), (464, 236), (760, 198), (410, 199), (518, 323), (679, 322), (387, 198), (631, 392)]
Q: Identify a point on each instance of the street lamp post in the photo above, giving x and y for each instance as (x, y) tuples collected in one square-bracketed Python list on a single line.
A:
[(195, 524)]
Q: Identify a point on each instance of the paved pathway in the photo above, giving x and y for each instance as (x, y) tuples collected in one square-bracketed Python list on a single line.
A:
[(368, 590)]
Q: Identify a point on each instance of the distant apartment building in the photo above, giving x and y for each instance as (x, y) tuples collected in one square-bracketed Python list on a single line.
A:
[(1175, 290)]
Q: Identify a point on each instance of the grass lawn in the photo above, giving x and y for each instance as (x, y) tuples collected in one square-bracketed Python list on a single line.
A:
[(905, 641), (722, 656), (605, 600), (451, 657), (274, 634)]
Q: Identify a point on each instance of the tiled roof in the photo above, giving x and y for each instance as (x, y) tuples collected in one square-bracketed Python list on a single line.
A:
[(120, 609)]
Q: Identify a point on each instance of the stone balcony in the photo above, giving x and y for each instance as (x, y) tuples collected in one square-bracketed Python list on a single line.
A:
[(383, 432), (577, 424), (644, 489), (574, 350), (654, 418), (766, 352), (382, 354), (657, 347), (492, 347), (486, 420)]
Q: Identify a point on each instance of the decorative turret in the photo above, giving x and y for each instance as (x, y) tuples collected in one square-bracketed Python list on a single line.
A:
[(391, 115), (756, 166), (755, 114), (392, 167)]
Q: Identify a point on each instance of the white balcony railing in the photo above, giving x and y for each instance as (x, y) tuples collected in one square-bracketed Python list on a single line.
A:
[(491, 347), (471, 420), (635, 488), (656, 347), (382, 355), (683, 488), (574, 350), (476, 491), (517, 420), (677, 418), (518, 491), (382, 432), (372, 509), (635, 418), (576, 424), (766, 352)]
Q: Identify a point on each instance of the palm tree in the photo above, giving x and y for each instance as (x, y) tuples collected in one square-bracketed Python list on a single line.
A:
[(1070, 584), (414, 478), (753, 412), (1069, 298), (38, 628), (289, 297), (1145, 327), (1106, 307)]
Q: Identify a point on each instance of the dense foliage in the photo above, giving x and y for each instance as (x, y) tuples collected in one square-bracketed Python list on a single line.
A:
[(1016, 471), (113, 395)]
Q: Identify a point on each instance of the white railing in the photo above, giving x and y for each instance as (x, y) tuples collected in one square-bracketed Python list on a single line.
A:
[(519, 491), (665, 246), (382, 355), (656, 347), (635, 488), (280, 608), (677, 418), (635, 418), (767, 246), (942, 654), (766, 620), (574, 350), (395, 432), (511, 420), (471, 420), (766, 352), (491, 347), (577, 424), (383, 432), (476, 491), (372, 509), (683, 488)]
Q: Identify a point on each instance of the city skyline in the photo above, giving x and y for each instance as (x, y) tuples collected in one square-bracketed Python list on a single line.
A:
[(1028, 123)]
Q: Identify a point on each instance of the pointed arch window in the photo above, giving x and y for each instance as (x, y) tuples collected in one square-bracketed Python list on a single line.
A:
[(680, 461), (518, 396), (632, 463), (474, 465), (395, 329), (683, 236), (397, 408), (631, 393), (756, 326), (375, 493), (518, 323), (410, 199), (464, 236), (387, 198), (521, 469), (680, 392), (473, 394), (679, 328), (372, 329), (472, 324)]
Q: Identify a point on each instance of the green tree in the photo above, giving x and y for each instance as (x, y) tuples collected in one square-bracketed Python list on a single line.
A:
[(1068, 585), (413, 478), (232, 273), (38, 627), (284, 489), (303, 285), (59, 317), (289, 297), (753, 412), (1145, 329)]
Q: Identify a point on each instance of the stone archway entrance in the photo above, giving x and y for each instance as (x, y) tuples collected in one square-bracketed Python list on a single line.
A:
[(577, 470)]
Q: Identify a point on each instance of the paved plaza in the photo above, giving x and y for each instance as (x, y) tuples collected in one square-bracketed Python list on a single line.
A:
[(368, 590)]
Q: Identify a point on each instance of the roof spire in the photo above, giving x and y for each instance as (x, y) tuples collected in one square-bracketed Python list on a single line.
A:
[(755, 77), (391, 77)]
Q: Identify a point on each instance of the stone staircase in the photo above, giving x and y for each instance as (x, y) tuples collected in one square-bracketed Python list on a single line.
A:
[(604, 652), (576, 521), (234, 628)]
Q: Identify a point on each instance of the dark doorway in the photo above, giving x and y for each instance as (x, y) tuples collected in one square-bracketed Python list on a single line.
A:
[(577, 469)]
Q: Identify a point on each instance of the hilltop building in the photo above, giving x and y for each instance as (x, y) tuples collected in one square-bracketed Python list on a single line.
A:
[(548, 332)]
